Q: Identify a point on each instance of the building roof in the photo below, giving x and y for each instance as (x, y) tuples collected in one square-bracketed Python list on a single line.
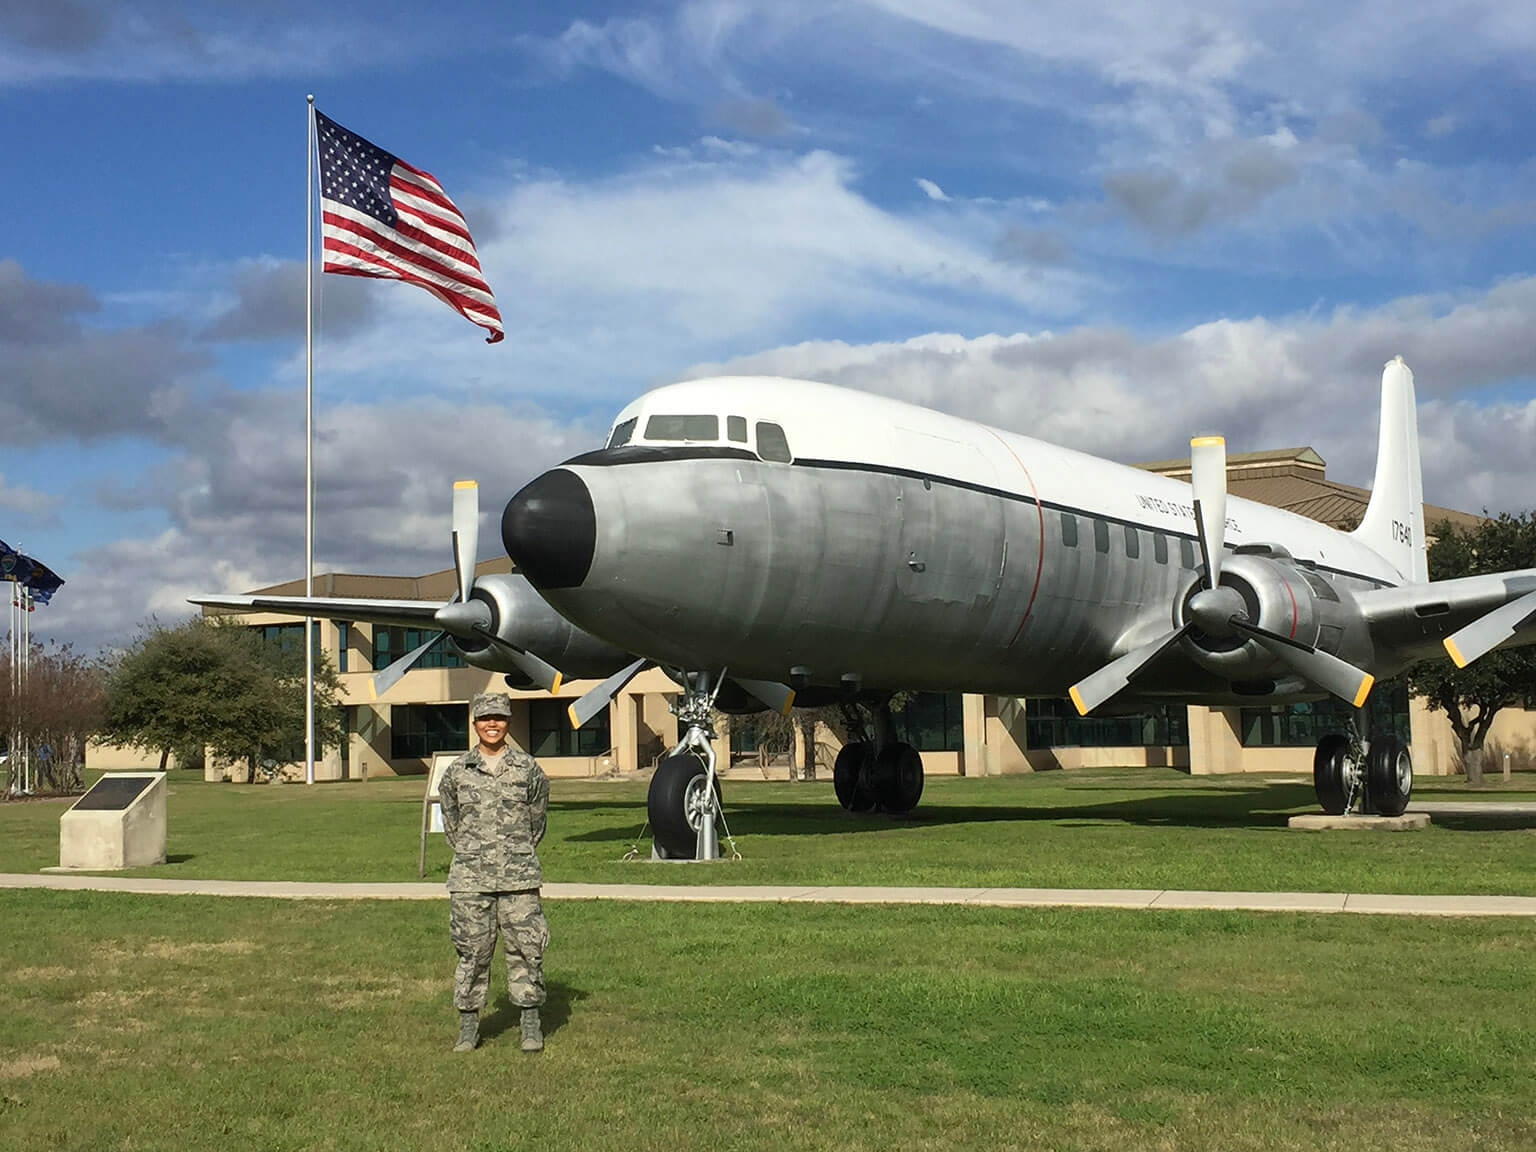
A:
[(1296, 479), (439, 585)]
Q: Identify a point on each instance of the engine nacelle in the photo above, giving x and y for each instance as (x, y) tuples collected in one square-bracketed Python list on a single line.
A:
[(520, 616), (1279, 596)]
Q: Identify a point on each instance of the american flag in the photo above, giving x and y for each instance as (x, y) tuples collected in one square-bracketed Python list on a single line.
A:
[(382, 217)]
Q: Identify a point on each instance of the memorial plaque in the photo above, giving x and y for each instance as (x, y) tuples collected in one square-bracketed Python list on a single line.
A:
[(113, 793)]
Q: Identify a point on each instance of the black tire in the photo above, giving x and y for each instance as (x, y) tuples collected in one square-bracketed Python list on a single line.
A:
[(1328, 764), (1389, 777), (851, 777), (664, 804), (898, 778)]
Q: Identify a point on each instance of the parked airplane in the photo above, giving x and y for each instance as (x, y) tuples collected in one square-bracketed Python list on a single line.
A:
[(766, 540)]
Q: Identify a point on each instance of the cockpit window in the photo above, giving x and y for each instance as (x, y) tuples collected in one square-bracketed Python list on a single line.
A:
[(771, 443), (682, 428), (736, 429), (622, 432)]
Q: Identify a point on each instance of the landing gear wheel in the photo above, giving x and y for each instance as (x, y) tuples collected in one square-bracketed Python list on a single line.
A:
[(1330, 768), (676, 804), (851, 777), (898, 778), (1389, 776)]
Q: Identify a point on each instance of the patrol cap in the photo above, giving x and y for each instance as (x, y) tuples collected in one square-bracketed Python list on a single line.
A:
[(490, 704)]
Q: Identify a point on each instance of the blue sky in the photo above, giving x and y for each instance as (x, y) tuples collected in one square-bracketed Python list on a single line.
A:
[(1108, 225)]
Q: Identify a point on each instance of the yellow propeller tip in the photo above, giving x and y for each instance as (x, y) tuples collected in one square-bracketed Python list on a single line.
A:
[(466, 484), (1365, 689), (1455, 653), (1203, 441), (1077, 701), (554, 689), (570, 714), (789, 702)]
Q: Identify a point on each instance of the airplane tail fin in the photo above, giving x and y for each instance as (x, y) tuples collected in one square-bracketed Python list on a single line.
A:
[(1393, 525)]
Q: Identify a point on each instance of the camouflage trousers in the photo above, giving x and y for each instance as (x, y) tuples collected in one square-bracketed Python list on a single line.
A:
[(473, 920)]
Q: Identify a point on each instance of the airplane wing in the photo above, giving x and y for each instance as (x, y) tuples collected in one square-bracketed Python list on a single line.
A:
[(405, 613), (1463, 618)]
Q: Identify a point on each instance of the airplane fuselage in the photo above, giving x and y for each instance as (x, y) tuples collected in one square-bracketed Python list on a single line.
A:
[(824, 534)]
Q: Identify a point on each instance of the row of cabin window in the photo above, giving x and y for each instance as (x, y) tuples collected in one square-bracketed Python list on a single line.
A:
[(772, 444), (1132, 541)]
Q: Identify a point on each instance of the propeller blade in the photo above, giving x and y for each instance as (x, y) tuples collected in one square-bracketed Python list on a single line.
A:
[(545, 675), (1487, 632), (596, 700), (1350, 684), (1208, 478), (1098, 687), (387, 678), (779, 697), (466, 534)]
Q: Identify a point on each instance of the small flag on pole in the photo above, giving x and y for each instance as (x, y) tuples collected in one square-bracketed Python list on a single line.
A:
[(379, 216)]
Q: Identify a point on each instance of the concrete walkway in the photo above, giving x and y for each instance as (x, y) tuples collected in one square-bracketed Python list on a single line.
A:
[(805, 894)]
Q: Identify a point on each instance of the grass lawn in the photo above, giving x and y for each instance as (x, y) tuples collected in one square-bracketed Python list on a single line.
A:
[(1128, 828), (194, 1023)]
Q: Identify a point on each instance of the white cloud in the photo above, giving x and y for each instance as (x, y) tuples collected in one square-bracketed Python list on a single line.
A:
[(1264, 384), (931, 190)]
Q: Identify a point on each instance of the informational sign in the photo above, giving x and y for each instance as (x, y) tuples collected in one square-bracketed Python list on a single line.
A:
[(119, 823), (113, 793), (431, 806)]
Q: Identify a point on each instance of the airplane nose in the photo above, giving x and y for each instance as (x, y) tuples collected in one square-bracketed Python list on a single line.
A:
[(550, 530)]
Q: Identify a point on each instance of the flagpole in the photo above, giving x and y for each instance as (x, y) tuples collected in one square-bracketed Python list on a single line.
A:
[(309, 440)]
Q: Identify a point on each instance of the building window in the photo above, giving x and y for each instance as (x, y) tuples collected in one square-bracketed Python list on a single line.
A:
[(418, 730), (1069, 529), (550, 732), (932, 722), (736, 429), (1056, 724), (289, 636), (1132, 542), (1101, 535), (1159, 547), (1303, 725), (771, 443), (341, 645), (392, 642)]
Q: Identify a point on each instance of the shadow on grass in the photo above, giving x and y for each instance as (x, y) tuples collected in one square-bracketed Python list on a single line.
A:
[(556, 1013), (1259, 806)]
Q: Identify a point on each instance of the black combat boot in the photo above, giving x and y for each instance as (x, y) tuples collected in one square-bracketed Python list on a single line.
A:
[(533, 1035), (469, 1032)]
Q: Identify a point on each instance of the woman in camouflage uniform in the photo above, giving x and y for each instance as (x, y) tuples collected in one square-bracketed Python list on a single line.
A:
[(494, 800)]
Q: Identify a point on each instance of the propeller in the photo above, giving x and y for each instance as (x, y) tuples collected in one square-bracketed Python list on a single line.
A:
[(1488, 631), (1219, 610), (597, 699), (466, 618)]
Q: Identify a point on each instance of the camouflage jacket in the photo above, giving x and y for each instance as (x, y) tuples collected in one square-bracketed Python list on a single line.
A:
[(494, 823)]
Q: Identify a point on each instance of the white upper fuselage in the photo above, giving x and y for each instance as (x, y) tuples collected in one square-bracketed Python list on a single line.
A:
[(831, 423)]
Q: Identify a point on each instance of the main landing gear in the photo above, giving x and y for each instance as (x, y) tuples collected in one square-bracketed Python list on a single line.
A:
[(876, 773), (1351, 774)]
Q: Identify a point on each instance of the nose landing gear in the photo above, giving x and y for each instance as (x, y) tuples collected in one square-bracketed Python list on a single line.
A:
[(683, 804)]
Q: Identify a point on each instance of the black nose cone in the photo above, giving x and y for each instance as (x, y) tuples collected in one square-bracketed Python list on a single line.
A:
[(549, 529)]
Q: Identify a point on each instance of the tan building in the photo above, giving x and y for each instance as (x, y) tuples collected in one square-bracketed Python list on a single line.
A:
[(426, 711)]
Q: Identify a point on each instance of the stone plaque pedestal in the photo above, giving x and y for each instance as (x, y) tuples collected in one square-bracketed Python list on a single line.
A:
[(119, 823)]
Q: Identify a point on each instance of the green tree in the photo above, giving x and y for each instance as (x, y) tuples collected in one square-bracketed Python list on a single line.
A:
[(1471, 697), (219, 684)]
